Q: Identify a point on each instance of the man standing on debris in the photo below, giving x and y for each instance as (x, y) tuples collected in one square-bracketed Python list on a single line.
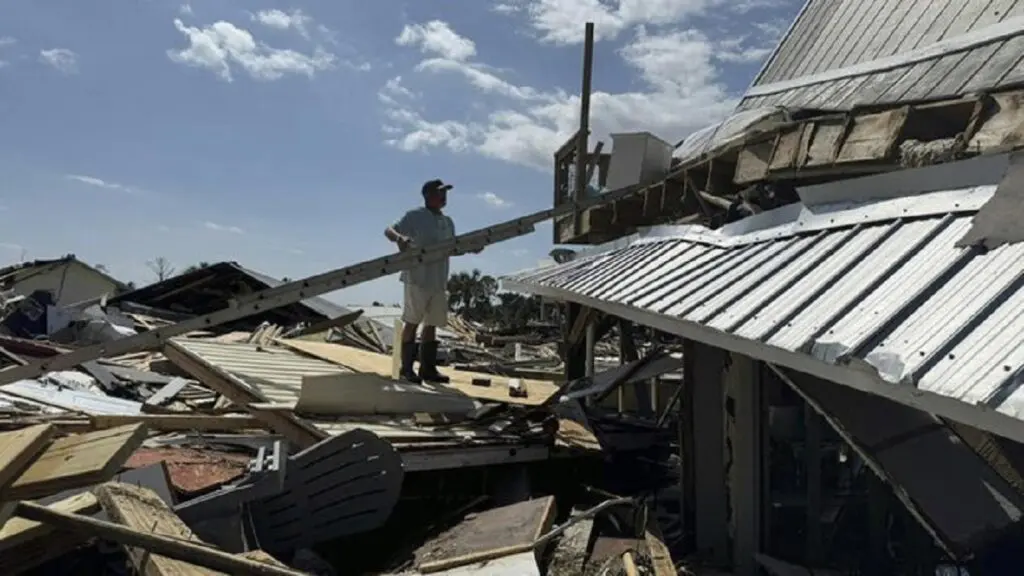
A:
[(426, 296)]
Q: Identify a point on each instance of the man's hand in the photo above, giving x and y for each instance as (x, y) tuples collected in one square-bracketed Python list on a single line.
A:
[(404, 242)]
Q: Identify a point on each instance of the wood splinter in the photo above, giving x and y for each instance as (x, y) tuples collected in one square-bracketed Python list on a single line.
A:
[(196, 554)]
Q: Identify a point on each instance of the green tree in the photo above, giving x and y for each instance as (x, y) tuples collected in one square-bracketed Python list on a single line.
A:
[(471, 295)]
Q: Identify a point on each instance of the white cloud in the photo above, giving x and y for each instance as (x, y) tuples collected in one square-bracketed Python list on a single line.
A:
[(222, 228), (11, 246), (281, 20), (437, 38), (679, 91), (222, 45), (185, 9), (61, 59), (394, 92), (494, 200), (561, 21), (6, 41), (101, 183)]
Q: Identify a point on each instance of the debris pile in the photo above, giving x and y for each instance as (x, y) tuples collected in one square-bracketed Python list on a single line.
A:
[(285, 444)]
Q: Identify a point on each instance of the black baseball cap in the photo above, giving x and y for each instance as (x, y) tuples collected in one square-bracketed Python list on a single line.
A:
[(435, 186)]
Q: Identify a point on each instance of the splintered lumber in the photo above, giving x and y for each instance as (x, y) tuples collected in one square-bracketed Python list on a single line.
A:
[(25, 544), (261, 556), (141, 509), (77, 461), (193, 553), (17, 450), (488, 535), (19, 530)]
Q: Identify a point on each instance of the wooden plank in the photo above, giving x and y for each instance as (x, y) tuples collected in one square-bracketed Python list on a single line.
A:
[(141, 509), (194, 553), (179, 422), (166, 393), (492, 534), (19, 531), (77, 461), (296, 430), (370, 362), (19, 448)]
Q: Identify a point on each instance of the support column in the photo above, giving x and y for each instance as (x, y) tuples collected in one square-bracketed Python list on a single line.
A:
[(743, 423), (703, 372), (575, 354), (812, 464)]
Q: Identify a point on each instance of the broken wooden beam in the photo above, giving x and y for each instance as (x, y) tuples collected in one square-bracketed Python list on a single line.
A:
[(193, 553)]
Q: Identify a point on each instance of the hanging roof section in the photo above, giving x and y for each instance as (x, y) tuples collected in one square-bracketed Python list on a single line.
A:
[(877, 295), (839, 54)]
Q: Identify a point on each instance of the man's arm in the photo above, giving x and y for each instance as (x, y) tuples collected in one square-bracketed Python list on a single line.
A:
[(398, 232)]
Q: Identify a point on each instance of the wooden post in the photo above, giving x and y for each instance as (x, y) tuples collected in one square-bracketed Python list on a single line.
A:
[(582, 136), (812, 463)]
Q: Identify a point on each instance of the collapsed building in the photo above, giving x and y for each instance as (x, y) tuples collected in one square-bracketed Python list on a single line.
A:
[(839, 262)]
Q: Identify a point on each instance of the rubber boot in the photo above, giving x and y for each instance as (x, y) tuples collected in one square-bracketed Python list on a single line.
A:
[(428, 364), (409, 353)]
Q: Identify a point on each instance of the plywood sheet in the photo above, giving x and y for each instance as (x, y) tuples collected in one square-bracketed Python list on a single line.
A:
[(492, 534), (19, 448), (76, 461), (363, 361)]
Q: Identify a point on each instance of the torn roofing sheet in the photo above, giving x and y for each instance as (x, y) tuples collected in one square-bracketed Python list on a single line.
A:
[(875, 295)]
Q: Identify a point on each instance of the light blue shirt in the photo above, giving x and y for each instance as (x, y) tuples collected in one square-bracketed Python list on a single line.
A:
[(426, 227)]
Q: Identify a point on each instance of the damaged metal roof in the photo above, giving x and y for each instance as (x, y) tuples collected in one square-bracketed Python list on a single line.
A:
[(880, 284), (839, 55)]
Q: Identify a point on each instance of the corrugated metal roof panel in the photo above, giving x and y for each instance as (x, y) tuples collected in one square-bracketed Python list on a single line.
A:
[(868, 287), (276, 374), (843, 55), (832, 34)]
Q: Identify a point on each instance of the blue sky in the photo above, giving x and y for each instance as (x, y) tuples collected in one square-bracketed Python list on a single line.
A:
[(287, 135)]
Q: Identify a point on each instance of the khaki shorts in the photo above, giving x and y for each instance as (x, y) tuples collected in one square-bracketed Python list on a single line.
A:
[(427, 307)]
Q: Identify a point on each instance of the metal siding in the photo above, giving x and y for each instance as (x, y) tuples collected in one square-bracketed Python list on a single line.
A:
[(822, 98), (878, 307), (804, 35), (955, 80), (935, 75), (642, 294), (938, 26), (939, 321), (273, 373), (876, 85), (907, 32), (1006, 56), (753, 295), (701, 288), (783, 313), (652, 269), (837, 34), (868, 20), (914, 75), (1014, 74), (895, 295), (828, 44), (964, 21)]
